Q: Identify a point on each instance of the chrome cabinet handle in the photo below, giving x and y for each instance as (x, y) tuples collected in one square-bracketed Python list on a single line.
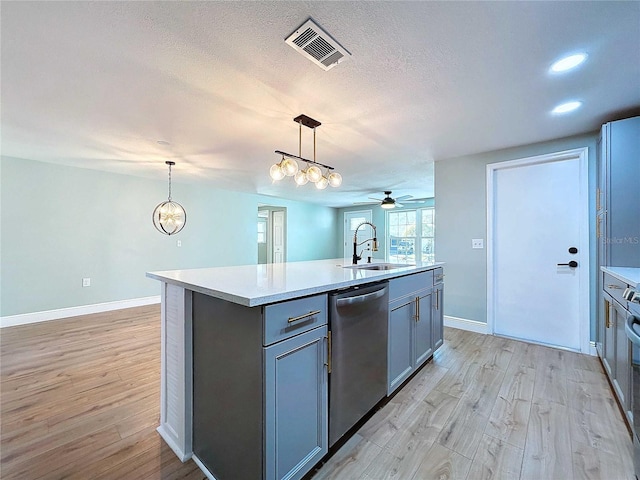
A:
[(417, 315), (328, 362), (301, 317), (437, 299), (614, 287)]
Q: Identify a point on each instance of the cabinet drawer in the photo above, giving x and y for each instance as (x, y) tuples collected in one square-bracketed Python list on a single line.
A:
[(403, 286), (286, 319), (438, 276), (615, 288)]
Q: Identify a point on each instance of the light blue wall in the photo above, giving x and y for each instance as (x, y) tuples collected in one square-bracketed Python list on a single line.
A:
[(461, 214), (60, 224)]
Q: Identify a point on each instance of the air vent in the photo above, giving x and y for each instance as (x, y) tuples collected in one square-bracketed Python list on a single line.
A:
[(315, 44)]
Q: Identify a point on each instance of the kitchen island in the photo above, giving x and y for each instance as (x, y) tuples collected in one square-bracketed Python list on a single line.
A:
[(246, 355)]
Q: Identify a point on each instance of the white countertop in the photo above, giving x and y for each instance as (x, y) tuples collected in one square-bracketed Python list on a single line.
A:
[(253, 285), (628, 275)]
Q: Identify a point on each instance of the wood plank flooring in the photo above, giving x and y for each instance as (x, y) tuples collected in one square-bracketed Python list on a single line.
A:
[(79, 399), (488, 407)]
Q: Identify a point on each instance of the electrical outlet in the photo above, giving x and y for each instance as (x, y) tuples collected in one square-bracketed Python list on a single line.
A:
[(179, 243), (477, 243), (86, 282)]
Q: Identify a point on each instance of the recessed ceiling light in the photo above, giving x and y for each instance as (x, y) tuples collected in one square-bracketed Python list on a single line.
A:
[(566, 107), (163, 142), (568, 63)]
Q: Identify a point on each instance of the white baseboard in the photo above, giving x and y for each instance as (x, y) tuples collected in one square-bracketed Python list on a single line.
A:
[(26, 318), (204, 469), (465, 324)]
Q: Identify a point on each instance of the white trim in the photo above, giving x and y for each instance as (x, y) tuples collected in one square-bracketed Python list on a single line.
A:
[(44, 316), (582, 155), (465, 324), (204, 469), (168, 439)]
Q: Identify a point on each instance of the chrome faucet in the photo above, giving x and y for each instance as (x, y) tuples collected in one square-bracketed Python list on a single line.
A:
[(357, 257)]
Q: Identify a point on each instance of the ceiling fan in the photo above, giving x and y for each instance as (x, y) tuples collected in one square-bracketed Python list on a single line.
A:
[(387, 202)]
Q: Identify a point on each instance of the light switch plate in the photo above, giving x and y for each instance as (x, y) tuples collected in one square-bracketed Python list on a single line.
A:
[(86, 282), (477, 243)]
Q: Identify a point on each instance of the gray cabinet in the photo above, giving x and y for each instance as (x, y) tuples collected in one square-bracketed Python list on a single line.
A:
[(410, 326), (260, 387), (617, 200), (616, 348), (437, 312), (400, 361), (622, 378), (422, 338), (296, 407)]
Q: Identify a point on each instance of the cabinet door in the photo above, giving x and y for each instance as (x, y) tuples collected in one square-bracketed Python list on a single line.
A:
[(622, 377), (422, 339), (609, 341), (296, 405), (401, 319), (437, 317)]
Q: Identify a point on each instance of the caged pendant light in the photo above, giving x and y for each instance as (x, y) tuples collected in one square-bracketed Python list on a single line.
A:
[(169, 217), (288, 167)]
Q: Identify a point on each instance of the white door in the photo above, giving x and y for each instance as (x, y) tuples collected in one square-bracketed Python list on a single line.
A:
[(351, 222), (278, 223), (538, 215)]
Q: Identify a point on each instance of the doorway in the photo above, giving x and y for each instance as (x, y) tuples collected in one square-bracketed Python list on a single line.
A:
[(538, 249), (272, 234), (351, 222)]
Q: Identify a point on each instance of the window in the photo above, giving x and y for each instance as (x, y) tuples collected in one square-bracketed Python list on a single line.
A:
[(411, 235)]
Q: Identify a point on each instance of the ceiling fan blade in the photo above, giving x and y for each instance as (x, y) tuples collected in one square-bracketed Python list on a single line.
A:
[(376, 199), (398, 205), (404, 197)]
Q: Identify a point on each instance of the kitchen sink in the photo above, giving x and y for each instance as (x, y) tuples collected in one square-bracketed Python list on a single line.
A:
[(379, 266)]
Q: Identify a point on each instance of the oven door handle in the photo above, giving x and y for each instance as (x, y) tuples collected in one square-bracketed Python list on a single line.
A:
[(628, 328)]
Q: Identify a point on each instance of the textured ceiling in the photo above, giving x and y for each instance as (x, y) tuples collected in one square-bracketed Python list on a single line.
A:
[(98, 84)]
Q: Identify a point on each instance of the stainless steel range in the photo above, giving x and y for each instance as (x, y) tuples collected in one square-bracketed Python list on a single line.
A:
[(632, 327)]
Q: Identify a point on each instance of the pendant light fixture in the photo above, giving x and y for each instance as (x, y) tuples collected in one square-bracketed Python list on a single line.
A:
[(288, 166), (169, 217)]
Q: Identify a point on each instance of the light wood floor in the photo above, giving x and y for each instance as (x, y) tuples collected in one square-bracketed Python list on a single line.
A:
[(79, 400), (491, 408)]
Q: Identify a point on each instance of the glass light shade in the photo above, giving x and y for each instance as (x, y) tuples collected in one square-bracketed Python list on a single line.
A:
[(301, 177), (335, 179), (169, 217), (388, 206), (289, 167), (314, 174), (275, 172), (322, 183)]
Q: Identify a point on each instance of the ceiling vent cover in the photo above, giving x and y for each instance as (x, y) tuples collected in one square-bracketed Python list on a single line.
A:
[(315, 44)]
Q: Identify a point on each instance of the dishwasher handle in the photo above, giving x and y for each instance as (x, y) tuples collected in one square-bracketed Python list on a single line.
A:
[(340, 302)]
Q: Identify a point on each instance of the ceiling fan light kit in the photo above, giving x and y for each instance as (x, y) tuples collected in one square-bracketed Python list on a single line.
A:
[(288, 166)]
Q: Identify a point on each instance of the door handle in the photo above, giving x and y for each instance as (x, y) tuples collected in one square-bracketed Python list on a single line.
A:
[(572, 264)]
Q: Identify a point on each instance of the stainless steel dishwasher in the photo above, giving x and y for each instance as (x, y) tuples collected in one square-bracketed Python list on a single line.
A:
[(358, 378)]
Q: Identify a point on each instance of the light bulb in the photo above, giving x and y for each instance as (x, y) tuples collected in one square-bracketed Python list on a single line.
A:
[(322, 183), (289, 167), (314, 174), (301, 177), (335, 179), (276, 172)]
